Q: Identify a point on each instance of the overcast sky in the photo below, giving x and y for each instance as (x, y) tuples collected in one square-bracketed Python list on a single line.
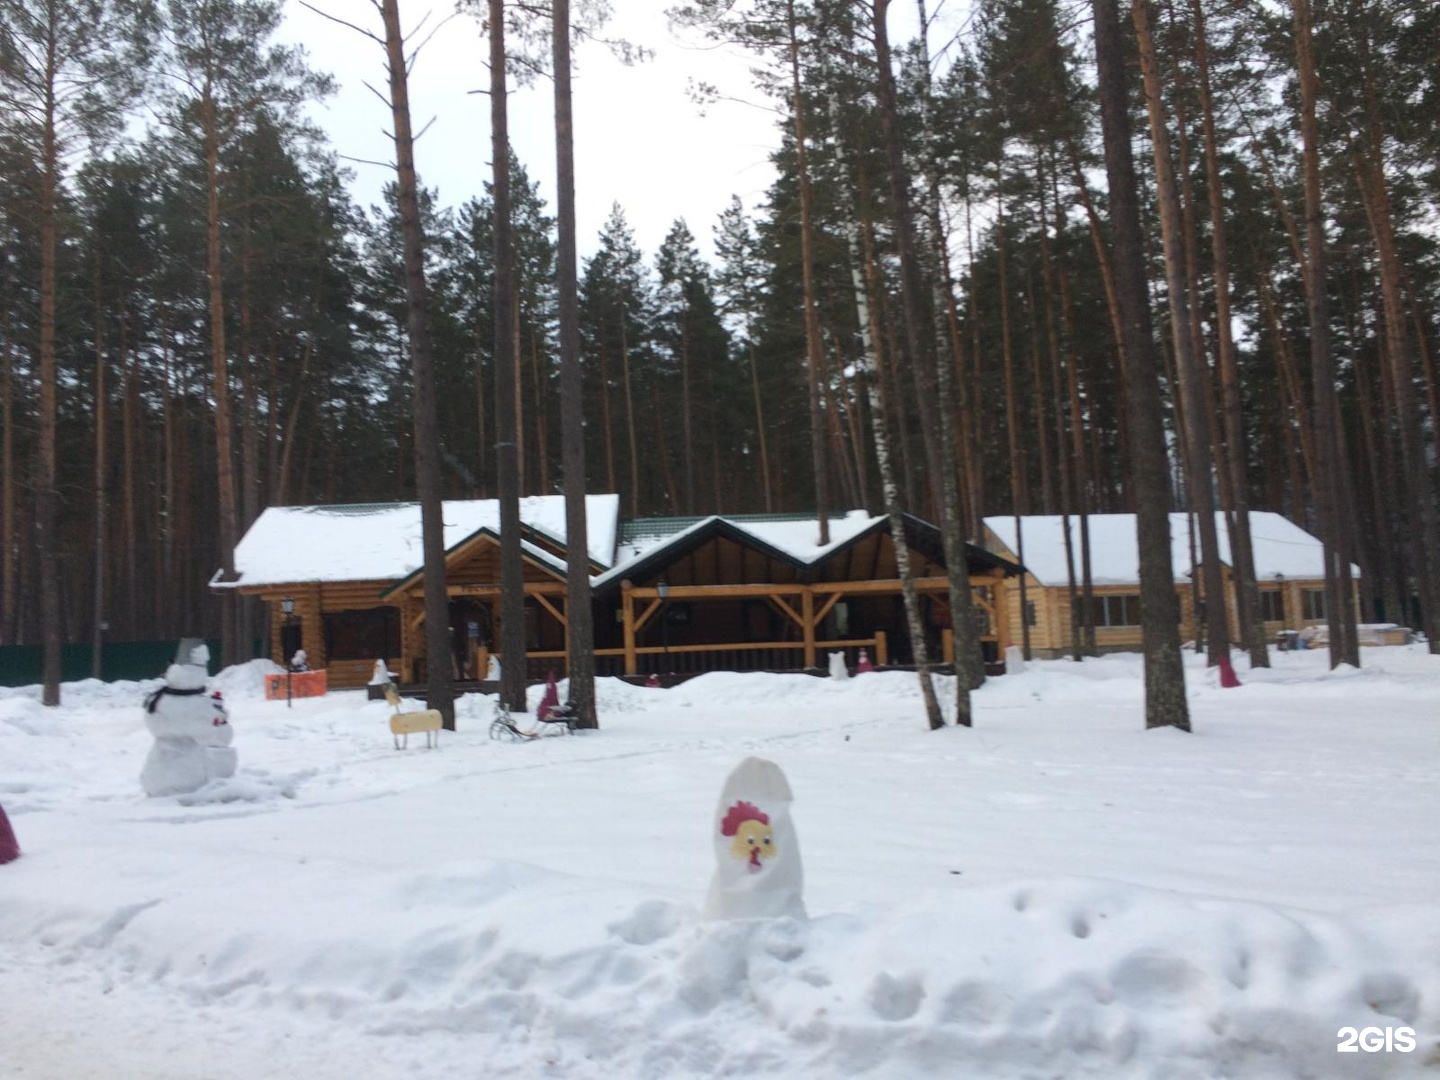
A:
[(640, 140)]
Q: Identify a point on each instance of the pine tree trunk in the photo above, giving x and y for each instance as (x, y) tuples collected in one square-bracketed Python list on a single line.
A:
[(480, 459), (512, 584), (47, 495), (1102, 255), (932, 366), (1193, 384), (130, 408), (168, 514), (605, 416), (814, 359), (580, 631), (760, 428), (9, 534), (855, 427), (977, 412), (292, 421), (630, 425), (1384, 591), (224, 425), (245, 613), (1339, 611), (1165, 704), (1247, 594), (97, 637), (1057, 381), (1019, 478), (1427, 367), (1019, 475), (440, 687), (1039, 398), (844, 463), (519, 382), (1084, 620), (864, 281), (669, 498), (1424, 529)]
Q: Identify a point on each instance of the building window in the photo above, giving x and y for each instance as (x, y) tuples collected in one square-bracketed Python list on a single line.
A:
[(1312, 603), (1272, 606), (373, 634), (1030, 618), (1121, 610)]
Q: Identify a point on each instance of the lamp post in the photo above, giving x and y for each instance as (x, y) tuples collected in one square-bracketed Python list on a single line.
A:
[(664, 591), (287, 608)]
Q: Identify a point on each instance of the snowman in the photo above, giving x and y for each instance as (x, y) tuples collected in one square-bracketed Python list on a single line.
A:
[(192, 730)]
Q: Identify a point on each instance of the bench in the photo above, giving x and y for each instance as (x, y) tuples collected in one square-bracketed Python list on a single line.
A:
[(405, 724)]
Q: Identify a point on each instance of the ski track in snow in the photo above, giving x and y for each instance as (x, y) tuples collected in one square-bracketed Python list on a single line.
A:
[(1055, 893)]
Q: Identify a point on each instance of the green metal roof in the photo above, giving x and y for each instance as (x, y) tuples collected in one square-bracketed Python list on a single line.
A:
[(354, 509), (632, 528)]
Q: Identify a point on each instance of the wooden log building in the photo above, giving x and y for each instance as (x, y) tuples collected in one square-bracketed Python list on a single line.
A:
[(1289, 567), (671, 595)]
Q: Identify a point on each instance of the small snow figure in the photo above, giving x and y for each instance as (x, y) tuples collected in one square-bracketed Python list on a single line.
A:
[(492, 671), (838, 670), (192, 732), (1014, 660), (300, 661), (381, 675), (758, 874), (9, 846), (217, 746)]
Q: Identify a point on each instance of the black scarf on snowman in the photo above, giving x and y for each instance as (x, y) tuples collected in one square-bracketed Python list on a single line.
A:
[(153, 699)]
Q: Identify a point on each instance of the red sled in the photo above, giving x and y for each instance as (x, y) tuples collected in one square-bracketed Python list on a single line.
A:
[(9, 846)]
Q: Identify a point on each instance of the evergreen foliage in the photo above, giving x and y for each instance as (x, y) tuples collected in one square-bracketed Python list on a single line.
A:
[(699, 375)]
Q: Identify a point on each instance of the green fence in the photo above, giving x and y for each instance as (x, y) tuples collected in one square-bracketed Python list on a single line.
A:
[(23, 665)]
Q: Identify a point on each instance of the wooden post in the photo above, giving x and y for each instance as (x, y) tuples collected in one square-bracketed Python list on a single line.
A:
[(947, 645), (807, 616), (882, 653), (312, 628), (627, 617), (411, 643), (566, 613), (277, 631), (999, 591)]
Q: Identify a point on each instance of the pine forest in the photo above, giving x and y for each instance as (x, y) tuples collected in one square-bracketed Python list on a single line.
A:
[(1082, 256)]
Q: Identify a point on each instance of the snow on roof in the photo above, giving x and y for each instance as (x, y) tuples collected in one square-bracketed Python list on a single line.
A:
[(1281, 547), (791, 534), (382, 541)]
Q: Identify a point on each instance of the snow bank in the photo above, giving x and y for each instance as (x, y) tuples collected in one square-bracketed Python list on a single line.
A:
[(1056, 893)]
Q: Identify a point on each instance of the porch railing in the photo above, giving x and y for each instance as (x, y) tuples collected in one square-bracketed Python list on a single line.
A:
[(726, 656)]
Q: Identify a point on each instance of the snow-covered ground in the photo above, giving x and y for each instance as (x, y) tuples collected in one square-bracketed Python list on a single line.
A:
[(1055, 893)]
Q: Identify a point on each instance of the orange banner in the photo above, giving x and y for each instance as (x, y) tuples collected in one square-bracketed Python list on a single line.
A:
[(302, 684)]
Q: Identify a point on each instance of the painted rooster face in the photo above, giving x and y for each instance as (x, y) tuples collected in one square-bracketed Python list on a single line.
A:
[(753, 841)]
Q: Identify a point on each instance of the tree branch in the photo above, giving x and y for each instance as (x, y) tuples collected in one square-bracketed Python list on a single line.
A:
[(358, 29)]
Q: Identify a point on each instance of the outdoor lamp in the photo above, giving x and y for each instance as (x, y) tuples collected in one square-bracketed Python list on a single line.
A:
[(287, 608)]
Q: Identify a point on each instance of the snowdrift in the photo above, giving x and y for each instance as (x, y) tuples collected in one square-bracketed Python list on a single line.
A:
[(1056, 893)]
